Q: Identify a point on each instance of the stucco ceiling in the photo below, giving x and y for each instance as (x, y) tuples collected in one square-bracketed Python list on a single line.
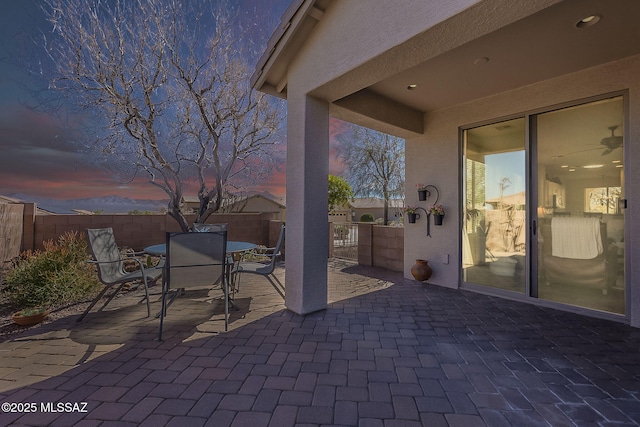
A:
[(539, 47), (542, 46)]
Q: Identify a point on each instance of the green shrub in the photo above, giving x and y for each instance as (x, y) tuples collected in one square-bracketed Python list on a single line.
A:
[(366, 217), (58, 275)]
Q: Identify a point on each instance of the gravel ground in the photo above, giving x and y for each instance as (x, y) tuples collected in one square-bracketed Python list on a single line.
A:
[(9, 330)]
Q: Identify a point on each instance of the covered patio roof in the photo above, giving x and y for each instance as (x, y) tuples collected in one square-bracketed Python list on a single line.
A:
[(486, 48)]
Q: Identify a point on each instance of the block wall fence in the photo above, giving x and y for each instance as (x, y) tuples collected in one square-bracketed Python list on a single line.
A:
[(21, 229), (381, 246)]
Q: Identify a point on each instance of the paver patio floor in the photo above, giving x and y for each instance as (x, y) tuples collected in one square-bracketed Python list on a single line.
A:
[(386, 352)]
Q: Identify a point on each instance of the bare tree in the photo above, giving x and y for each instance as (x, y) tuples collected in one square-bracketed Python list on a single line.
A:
[(375, 164), (169, 81)]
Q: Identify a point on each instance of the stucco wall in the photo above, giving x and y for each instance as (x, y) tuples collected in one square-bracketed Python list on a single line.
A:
[(434, 159)]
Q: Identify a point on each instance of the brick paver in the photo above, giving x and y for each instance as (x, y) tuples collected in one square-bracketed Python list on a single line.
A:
[(386, 352)]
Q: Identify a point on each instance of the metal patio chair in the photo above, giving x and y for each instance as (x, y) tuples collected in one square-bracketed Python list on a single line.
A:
[(200, 227), (110, 266), (264, 269), (195, 260)]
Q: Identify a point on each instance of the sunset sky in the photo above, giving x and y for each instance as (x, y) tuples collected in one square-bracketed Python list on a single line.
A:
[(39, 155)]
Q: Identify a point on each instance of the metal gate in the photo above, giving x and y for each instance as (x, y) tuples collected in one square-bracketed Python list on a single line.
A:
[(345, 241)]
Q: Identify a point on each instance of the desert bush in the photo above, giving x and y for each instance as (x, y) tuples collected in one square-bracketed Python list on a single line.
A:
[(55, 276)]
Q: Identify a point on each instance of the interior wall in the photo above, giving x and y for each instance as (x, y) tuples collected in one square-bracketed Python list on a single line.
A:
[(434, 158)]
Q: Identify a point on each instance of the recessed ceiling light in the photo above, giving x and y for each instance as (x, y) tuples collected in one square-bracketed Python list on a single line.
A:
[(592, 166), (619, 166), (588, 21), (481, 60), (412, 86), (572, 170), (564, 166), (616, 161)]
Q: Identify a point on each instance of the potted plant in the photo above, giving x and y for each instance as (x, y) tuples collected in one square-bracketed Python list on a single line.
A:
[(422, 192), (30, 316), (412, 215), (438, 214)]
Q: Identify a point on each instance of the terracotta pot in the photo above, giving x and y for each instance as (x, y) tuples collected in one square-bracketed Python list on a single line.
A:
[(33, 319), (421, 270)]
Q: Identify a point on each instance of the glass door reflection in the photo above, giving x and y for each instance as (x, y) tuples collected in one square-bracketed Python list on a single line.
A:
[(494, 226), (580, 169)]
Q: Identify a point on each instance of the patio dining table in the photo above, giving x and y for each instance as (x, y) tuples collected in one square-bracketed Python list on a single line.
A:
[(235, 248)]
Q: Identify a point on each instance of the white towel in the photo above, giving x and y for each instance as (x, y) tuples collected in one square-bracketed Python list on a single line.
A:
[(577, 238)]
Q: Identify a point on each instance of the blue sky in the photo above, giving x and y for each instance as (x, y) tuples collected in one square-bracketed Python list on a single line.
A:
[(504, 165), (39, 156)]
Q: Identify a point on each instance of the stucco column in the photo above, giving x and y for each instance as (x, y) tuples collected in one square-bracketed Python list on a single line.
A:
[(307, 205)]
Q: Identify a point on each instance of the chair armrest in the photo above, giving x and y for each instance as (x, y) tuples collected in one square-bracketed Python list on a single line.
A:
[(93, 261), (271, 255), (263, 251), (134, 254)]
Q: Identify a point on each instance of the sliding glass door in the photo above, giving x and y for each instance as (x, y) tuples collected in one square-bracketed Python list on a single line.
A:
[(495, 232), (552, 228), (580, 169)]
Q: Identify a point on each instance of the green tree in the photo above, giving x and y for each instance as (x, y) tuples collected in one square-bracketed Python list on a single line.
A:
[(340, 192)]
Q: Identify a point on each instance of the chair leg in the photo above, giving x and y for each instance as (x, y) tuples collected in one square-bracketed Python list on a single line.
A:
[(112, 296), (279, 287), (95, 300), (225, 287), (163, 309), (146, 293)]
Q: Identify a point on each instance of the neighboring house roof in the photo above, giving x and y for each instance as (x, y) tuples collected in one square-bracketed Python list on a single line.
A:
[(83, 212), (39, 210), (7, 199), (374, 203), (278, 202)]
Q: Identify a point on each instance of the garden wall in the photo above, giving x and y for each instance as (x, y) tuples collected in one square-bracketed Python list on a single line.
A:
[(381, 246), (378, 246), (139, 231)]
